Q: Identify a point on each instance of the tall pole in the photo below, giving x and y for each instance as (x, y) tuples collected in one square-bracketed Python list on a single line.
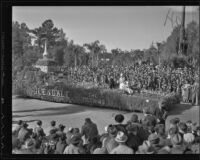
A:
[(182, 33)]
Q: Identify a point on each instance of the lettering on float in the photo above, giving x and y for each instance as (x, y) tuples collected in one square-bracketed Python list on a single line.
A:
[(50, 92)]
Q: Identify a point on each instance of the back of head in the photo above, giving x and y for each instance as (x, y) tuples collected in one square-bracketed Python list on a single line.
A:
[(39, 123), (53, 123), (88, 120), (119, 118), (134, 118)]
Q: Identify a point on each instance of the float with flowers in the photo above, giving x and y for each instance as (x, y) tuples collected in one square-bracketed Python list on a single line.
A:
[(33, 83)]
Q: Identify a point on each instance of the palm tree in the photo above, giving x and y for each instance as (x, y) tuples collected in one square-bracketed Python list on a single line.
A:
[(95, 49)]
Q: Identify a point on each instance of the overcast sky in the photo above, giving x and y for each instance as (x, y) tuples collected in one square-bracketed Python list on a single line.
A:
[(125, 27)]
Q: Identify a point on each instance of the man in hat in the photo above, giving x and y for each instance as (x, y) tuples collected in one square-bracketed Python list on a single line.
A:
[(182, 129), (73, 148), (39, 130), (122, 148), (110, 142), (89, 130), (23, 133)]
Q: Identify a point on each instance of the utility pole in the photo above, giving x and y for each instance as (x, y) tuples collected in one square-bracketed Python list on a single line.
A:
[(182, 42)]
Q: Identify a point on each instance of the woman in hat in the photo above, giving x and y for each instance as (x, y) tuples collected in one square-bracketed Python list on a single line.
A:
[(122, 148)]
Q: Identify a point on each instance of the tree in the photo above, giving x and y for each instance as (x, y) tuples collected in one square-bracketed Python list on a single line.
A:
[(46, 31), (21, 41), (95, 49)]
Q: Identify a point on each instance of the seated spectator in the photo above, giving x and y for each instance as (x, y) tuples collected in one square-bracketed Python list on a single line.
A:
[(133, 138), (61, 145), (119, 118), (182, 128), (73, 147), (197, 133), (160, 131), (69, 135), (101, 150), (177, 142), (122, 148), (18, 127), (29, 148), (154, 142), (174, 122)]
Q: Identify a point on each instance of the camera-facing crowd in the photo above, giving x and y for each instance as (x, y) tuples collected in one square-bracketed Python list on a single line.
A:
[(148, 135)]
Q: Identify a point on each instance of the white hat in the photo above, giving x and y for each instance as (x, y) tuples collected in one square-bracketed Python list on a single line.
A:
[(188, 137), (121, 137)]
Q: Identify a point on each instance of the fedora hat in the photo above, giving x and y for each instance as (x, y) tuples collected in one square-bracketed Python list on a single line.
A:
[(121, 137), (75, 139)]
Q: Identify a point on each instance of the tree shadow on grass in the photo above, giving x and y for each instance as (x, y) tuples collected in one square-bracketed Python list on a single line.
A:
[(180, 108)]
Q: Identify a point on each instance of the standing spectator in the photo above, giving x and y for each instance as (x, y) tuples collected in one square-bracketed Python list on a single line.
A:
[(122, 148), (89, 130), (52, 126), (160, 113), (195, 93), (60, 131), (24, 133), (39, 130)]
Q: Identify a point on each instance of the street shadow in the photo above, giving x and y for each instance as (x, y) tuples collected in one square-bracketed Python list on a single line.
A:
[(53, 111), (180, 108), (27, 121)]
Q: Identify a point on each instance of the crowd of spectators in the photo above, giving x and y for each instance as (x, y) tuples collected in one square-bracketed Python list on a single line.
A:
[(145, 136), (143, 76)]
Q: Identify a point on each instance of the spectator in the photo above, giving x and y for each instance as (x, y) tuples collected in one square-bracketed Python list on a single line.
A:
[(119, 118), (24, 133), (61, 145), (39, 130), (101, 150), (73, 148), (122, 148), (18, 127), (177, 142), (60, 131), (89, 130)]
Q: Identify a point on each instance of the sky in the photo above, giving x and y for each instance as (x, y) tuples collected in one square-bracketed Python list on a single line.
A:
[(124, 27)]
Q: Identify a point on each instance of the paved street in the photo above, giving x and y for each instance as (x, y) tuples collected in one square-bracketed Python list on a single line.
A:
[(71, 115)]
